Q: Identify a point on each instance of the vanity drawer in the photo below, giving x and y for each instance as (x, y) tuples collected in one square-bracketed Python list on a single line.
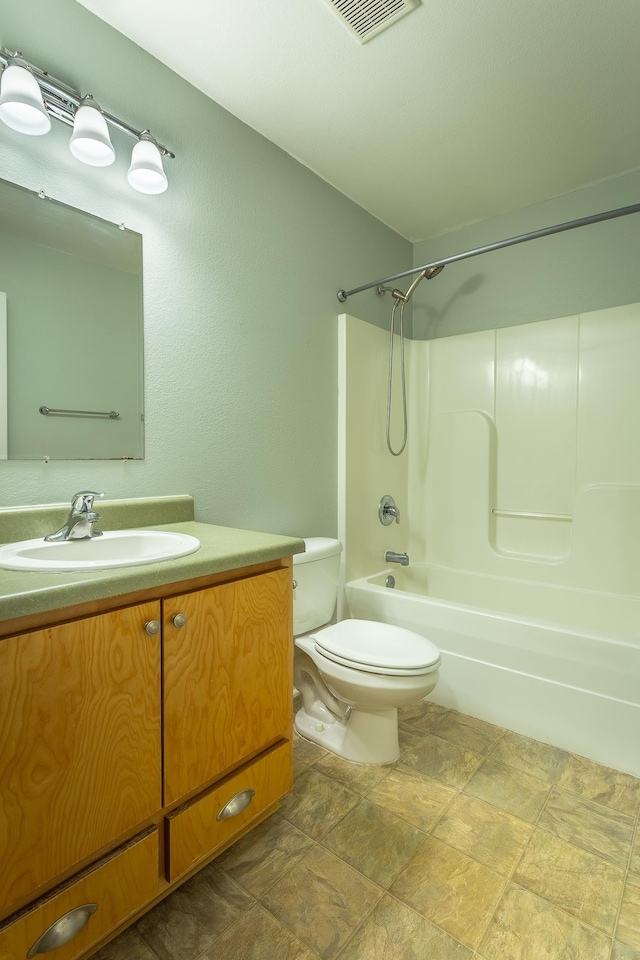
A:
[(116, 886), (198, 828)]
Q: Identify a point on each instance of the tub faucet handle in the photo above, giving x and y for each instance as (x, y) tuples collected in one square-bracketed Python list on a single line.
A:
[(387, 511)]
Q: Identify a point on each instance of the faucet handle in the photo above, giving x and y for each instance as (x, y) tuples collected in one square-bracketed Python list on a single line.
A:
[(83, 502), (387, 511)]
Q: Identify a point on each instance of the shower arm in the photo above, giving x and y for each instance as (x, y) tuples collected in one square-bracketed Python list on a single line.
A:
[(498, 245)]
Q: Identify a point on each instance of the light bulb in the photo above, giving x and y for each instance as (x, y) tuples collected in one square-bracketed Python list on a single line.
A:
[(90, 141), (21, 105), (146, 173)]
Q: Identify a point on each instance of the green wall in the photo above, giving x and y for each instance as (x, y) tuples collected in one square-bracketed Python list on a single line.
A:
[(242, 259), (586, 269)]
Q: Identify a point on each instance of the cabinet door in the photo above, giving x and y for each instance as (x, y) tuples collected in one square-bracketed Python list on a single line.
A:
[(79, 743), (228, 677)]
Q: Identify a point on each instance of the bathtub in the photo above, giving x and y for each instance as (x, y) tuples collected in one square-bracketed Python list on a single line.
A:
[(557, 664)]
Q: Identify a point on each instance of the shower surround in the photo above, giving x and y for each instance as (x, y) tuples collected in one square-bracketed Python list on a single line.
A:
[(519, 494)]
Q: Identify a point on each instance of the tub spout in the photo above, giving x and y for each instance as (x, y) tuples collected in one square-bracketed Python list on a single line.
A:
[(401, 558)]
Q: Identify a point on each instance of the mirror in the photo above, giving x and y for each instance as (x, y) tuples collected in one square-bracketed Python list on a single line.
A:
[(71, 303)]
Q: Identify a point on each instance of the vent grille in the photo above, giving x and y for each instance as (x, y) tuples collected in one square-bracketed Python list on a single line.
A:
[(365, 18)]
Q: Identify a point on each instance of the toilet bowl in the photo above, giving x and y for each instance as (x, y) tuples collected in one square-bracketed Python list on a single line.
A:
[(353, 675)]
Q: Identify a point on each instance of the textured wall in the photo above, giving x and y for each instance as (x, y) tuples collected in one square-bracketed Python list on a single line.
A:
[(589, 268), (242, 259)]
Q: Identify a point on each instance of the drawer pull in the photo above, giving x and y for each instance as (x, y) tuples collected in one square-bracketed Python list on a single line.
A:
[(152, 628), (64, 929), (236, 805), (179, 620)]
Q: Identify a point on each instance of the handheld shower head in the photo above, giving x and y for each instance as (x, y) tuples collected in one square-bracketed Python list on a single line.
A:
[(427, 274), (432, 272)]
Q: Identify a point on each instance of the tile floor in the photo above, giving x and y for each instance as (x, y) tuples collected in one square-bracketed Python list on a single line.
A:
[(479, 844)]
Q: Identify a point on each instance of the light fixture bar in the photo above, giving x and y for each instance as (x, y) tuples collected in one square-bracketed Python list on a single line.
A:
[(61, 100)]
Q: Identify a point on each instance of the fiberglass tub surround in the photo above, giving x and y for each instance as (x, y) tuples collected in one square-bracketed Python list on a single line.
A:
[(520, 500)]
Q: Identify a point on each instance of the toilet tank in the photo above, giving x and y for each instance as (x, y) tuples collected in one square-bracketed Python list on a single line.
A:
[(316, 572)]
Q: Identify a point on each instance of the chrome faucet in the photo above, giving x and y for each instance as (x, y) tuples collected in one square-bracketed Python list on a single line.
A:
[(82, 517), (401, 558)]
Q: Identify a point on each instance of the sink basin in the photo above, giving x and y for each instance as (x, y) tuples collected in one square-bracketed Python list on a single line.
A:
[(115, 548)]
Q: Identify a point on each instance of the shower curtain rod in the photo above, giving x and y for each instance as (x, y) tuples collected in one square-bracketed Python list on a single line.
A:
[(511, 241)]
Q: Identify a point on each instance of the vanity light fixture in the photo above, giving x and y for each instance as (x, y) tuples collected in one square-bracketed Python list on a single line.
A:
[(146, 173), (90, 140), (21, 105), (30, 97)]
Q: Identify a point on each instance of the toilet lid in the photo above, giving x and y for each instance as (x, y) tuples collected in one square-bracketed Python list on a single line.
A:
[(377, 648)]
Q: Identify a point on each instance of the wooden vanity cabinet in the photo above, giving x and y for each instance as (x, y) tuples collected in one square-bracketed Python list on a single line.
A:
[(133, 757)]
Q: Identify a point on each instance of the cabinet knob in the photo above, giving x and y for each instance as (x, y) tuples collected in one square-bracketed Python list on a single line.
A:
[(152, 627), (236, 805), (179, 620), (64, 929)]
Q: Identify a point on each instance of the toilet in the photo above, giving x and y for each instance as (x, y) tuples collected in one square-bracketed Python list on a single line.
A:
[(353, 675)]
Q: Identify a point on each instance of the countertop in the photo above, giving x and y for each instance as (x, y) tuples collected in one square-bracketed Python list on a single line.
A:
[(223, 548)]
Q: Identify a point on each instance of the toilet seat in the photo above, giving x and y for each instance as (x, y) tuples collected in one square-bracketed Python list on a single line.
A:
[(377, 648)]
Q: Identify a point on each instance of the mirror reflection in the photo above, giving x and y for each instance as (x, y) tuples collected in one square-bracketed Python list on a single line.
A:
[(71, 303)]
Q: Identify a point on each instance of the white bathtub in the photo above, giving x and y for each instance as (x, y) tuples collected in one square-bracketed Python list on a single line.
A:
[(555, 664)]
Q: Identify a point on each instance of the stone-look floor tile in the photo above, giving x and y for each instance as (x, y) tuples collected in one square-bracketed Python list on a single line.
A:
[(483, 832), (408, 737), (359, 777), (304, 751), (298, 768), (413, 797), (513, 791), (192, 917), (260, 858), (539, 759), (322, 901), (128, 946), (634, 862), (316, 803), (622, 952), (450, 889), (469, 733), (589, 825), (585, 886), (395, 932), (628, 929), (442, 760), (375, 842), (620, 791), (257, 936), (425, 712), (525, 927)]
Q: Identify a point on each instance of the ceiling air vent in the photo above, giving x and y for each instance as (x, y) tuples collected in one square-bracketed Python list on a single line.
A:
[(364, 18)]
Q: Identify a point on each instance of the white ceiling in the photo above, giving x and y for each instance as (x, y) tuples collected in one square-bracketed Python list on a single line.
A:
[(462, 110)]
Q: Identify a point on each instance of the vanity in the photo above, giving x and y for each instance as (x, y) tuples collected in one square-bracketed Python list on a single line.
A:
[(145, 724)]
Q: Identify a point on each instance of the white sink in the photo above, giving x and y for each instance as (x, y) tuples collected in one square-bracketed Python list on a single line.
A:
[(115, 548)]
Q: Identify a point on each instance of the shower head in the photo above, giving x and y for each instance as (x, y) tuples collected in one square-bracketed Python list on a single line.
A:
[(427, 274), (432, 272)]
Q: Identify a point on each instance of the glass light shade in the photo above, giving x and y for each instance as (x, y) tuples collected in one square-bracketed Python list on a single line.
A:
[(90, 141), (146, 173), (21, 105)]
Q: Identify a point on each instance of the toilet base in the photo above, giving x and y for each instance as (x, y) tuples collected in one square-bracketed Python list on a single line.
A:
[(366, 736)]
